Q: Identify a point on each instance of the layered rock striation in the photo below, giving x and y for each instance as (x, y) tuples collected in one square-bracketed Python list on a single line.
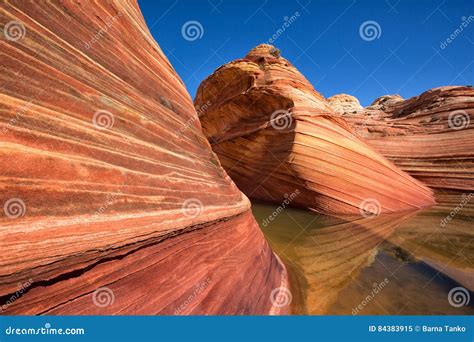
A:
[(275, 136), (430, 136), (112, 199)]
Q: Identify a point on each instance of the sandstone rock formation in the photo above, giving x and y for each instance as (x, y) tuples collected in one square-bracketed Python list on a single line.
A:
[(384, 101), (429, 136), (274, 134), (112, 199), (343, 103)]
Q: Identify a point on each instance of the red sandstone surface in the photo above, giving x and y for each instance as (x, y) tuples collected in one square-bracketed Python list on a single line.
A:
[(108, 183), (274, 134)]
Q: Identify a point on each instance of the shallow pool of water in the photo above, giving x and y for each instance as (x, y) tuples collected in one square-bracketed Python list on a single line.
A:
[(397, 264)]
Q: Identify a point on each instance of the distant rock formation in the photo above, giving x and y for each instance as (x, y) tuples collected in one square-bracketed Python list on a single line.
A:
[(112, 199), (385, 101), (343, 103), (274, 134), (430, 136)]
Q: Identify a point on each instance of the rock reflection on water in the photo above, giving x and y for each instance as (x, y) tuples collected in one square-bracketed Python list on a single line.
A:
[(403, 263)]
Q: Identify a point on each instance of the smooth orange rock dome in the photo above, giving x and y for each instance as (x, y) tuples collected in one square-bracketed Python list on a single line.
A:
[(274, 134), (343, 103)]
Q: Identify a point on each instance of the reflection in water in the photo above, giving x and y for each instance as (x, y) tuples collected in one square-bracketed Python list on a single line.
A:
[(404, 263)]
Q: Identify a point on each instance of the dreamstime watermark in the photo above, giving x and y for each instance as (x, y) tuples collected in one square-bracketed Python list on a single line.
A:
[(110, 199), (109, 22), (192, 30), (17, 294), (14, 30), (459, 296), (288, 199), (201, 110), (465, 199), (197, 290), (14, 208), (103, 119), (377, 287), (281, 119), (192, 207), (103, 297), (465, 21), (370, 207), (458, 119), (281, 297), (46, 330), (287, 22), (370, 30), (20, 113)]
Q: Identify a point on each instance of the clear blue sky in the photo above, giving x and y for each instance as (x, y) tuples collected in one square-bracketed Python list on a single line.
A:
[(324, 41)]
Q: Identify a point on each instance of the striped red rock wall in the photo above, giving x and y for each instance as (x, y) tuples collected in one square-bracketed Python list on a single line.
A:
[(112, 199)]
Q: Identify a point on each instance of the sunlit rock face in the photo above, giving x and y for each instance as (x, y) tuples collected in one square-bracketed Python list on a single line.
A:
[(385, 101), (429, 136), (343, 103), (275, 135), (112, 199)]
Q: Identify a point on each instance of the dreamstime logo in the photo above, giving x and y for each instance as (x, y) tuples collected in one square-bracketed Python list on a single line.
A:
[(281, 119), (465, 21), (286, 202), (14, 31), (370, 207), (103, 119), (376, 288), (280, 297), (465, 199), (200, 110), (459, 296), (45, 330), (14, 208), (370, 30), (192, 207), (197, 290), (287, 22), (192, 30), (19, 115), (109, 22), (103, 297), (459, 119), (110, 199), (22, 288)]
